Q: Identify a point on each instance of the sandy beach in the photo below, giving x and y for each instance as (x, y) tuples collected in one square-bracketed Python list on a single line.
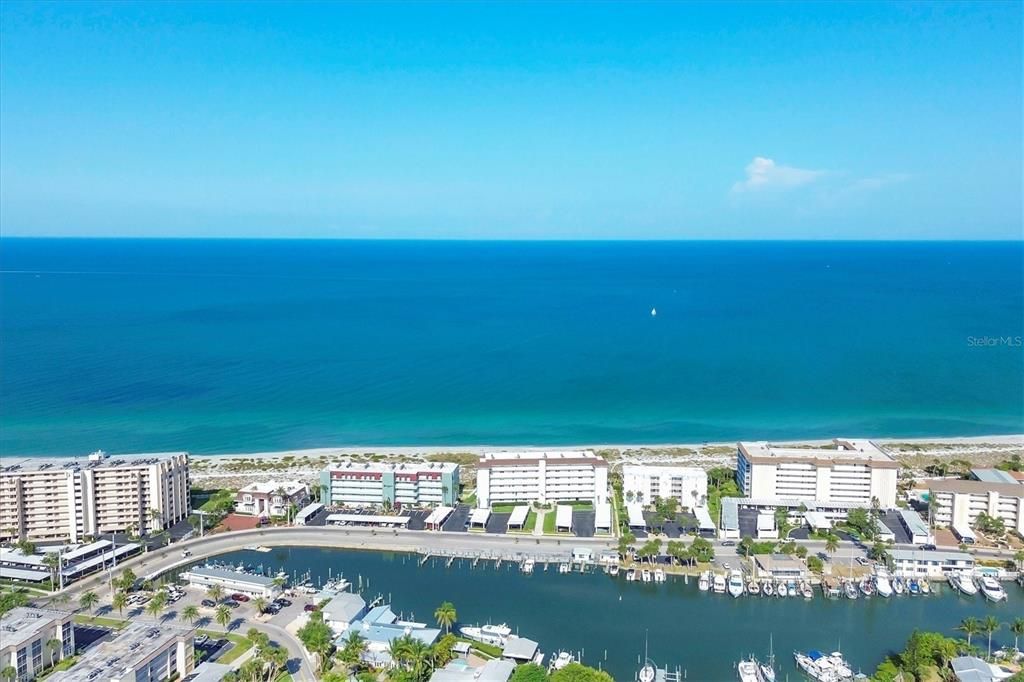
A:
[(236, 469)]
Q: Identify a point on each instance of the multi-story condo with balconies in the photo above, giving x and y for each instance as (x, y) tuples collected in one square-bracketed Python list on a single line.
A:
[(957, 504), (271, 498), (141, 652), (850, 472), (71, 498), (370, 484), (32, 640), (534, 476), (644, 483)]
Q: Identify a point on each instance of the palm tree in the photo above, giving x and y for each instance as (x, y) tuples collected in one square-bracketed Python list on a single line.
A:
[(970, 627), (354, 649), (215, 592), (190, 614), (222, 616), (1017, 628), (445, 615), (155, 516), (399, 650), (990, 625), (260, 604), (53, 645), (1019, 558), (128, 579), (119, 601), (89, 600), (279, 581), (9, 672), (420, 657), (832, 543), (156, 605), (52, 562)]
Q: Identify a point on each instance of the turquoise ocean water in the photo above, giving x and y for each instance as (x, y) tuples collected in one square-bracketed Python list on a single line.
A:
[(231, 346)]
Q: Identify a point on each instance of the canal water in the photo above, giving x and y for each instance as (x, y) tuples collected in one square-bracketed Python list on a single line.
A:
[(608, 619)]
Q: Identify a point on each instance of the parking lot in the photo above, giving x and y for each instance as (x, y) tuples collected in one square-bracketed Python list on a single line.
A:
[(683, 524), (88, 635), (583, 523), (458, 522)]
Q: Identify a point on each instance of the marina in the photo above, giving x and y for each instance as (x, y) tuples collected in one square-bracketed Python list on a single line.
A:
[(601, 619)]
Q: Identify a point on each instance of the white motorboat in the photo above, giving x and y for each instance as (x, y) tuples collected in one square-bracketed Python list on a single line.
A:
[(925, 585), (791, 589), (646, 574), (882, 584), (748, 671), (735, 584), (558, 662), (614, 570), (631, 574), (659, 575), (991, 588), (823, 667), (898, 586), (495, 635), (527, 566), (719, 584), (564, 568), (965, 583), (704, 584)]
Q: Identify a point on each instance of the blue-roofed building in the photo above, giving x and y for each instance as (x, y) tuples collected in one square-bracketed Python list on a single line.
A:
[(380, 626), (993, 476)]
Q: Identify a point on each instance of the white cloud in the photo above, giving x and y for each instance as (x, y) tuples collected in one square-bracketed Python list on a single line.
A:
[(764, 174)]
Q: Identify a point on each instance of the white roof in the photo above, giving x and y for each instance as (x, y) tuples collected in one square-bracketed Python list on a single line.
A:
[(308, 511), (403, 468), (519, 515), (603, 517), (848, 449), (479, 516), (914, 523), (964, 531), (438, 515), (86, 549), (270, 487), (563, 516), (367, 518), (704, 520), (817, 520), (538, 455), (636, 515), (765, 522)]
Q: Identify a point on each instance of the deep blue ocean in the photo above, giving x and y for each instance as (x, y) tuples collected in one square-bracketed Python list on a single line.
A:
[(232, 346)]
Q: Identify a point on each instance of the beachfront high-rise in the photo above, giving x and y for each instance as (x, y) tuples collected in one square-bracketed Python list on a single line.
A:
[(531, 476), (70, 498), (850, 472), (365, 484), (644, 483)]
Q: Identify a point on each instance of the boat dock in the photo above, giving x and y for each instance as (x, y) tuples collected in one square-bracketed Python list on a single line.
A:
[(449, 557)]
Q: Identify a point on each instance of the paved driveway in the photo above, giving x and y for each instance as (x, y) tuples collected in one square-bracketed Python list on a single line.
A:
[(583, 523)]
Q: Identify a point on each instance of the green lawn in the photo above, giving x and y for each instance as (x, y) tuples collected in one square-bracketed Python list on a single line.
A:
[(241, 644), (504, 508), (531, 522), (114, 623), (487, 649), (582, 506), (61, 665), (549, 523)]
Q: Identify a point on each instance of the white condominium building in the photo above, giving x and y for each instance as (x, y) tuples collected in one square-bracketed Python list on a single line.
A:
[(643, 483), (853, 472), (366, 484), (541, 477), (75, 497), (141, 652), (958, 503), (32, 640)]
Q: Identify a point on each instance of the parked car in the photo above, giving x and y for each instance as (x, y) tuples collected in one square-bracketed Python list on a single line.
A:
[(231, 603), (283, 602), (928, 547), (309, 608), (201, 640), (186, 553), (728, 543), (208, 603), (240, 598)]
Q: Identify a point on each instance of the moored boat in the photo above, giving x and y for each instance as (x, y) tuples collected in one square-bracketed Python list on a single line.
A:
[(748, 671), (913, 587), (850, 589), (991, 588), (631, 574), (882, 584), (704, 584), (964, 582), (806, 591), (558, 662), (769, 589), (867, 588), (925, 585), (659, 575), (735, 585), (754, 588), (495, 635), (898, 586), (646, 575), (719, 584)]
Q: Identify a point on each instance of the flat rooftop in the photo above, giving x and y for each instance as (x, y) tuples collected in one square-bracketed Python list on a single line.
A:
[(843, 451), (405, 467), (929, 556), (23, 624), (14, 466), (268, 487), (950, 485), (551, 457), (130, 647), (227, 574)]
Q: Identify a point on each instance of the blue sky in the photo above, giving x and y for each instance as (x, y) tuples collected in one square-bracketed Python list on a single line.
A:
[(583, 120)]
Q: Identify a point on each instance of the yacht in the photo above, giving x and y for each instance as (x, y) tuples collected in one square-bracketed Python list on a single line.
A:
[(991, 588), (646, 575), (495, 635), (824, 667), (748, 670), (558, 662), (769, 589), (704, 584), (736, 583), (527, 566), (882, 584), (754, 588), (719, 584), (659, 575), (964, 582)]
